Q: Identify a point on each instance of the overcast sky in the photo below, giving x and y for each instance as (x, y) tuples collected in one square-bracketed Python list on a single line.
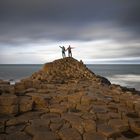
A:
[(101, 31)]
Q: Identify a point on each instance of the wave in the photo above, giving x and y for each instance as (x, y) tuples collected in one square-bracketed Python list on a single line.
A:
[(128, 80)]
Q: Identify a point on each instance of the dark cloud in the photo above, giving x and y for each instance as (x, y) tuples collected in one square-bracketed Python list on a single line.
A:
[(24, 22), (61, 19)]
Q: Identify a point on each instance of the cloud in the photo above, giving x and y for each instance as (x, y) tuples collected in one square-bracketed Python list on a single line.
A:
[(95, 26)]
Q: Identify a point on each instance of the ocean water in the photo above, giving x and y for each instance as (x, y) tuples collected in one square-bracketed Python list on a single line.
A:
[(125, 75)]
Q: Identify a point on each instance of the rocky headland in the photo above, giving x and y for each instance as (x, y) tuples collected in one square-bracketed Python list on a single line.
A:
[(66, 101)]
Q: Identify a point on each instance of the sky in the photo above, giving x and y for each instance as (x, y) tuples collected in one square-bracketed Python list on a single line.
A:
[(100, 31)]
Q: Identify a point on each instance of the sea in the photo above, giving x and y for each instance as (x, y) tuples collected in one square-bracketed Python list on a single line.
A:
[(124, 75)]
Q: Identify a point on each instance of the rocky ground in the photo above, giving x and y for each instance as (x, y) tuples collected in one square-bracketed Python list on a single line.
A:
[(66, 101)]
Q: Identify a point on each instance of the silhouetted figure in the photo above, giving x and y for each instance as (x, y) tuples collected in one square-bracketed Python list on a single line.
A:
[(69, 51), (63, 51)]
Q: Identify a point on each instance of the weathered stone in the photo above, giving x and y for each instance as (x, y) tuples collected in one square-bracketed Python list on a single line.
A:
[(75, 121), (76, 97), (18, 136), (28, 83), (19, 87), (102, 117), (56, 126), (2, 136), (137, 106), (40, 100), (125, 138), (113, 115), (24, 118), (47, 135), (30, 90), (69, 134), (37, 126), (36, 84), (86, 100), (93, 136), (83, 108), (25, 104), (4, 82), (58, 108), (62, 97), (2, 128), (16, 128), (9, 109), (87, 116), (113, 107), (99, 109), (70, 105), (66, 125), (16, 121), (121, 125), (108, 131), (6, 88), (8, 99), (89, 125), (50, 116), (135, 125)]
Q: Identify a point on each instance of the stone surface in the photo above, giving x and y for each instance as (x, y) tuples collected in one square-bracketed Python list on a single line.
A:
[(47, 135), (93, 136), (40, 100), (70, 134), (37, 126), (121, 125), (66, 101), (57, 108), (108, 131), (9, 109), (7, 100), (89, 125), (18, 136), (135, 125), (25, 104)]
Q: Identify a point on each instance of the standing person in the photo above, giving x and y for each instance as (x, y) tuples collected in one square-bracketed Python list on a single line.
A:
[(69, 51), (63, 51)]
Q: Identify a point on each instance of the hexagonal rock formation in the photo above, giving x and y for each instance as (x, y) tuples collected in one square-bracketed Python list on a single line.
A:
[(65, 69), (66, 101)]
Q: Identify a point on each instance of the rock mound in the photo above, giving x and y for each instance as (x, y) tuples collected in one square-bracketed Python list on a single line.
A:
[(66, 101), (66, 69)]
